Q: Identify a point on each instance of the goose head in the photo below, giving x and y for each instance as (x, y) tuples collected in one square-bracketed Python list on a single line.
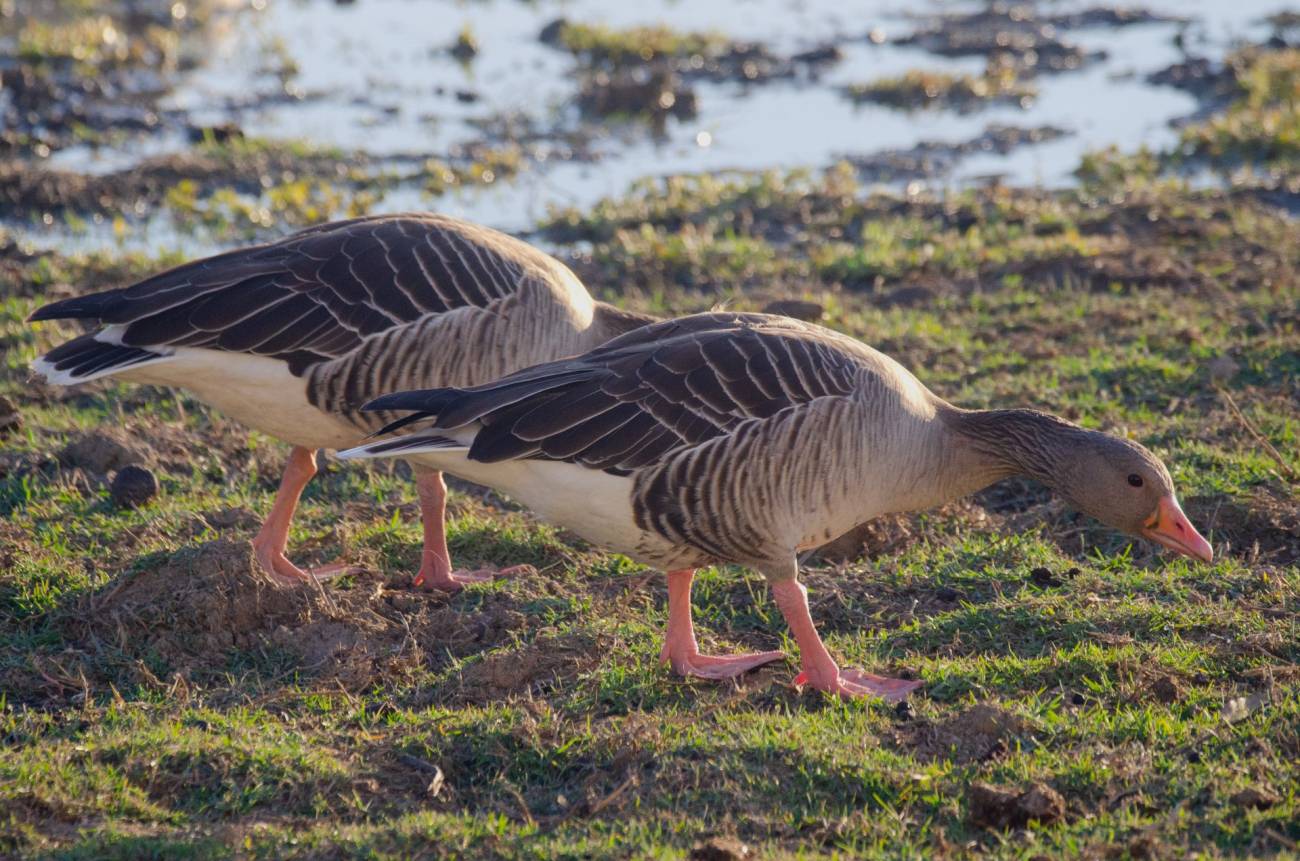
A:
[(1113, 479), (1125, 486)]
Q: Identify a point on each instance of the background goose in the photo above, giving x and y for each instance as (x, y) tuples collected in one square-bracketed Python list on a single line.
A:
[(744, 438), (292, 337)]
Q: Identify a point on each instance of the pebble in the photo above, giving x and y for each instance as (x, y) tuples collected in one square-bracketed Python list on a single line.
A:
[(1044, 578), (133, 486)]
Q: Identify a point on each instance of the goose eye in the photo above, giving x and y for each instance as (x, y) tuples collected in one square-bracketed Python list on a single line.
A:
[(1135, 480)]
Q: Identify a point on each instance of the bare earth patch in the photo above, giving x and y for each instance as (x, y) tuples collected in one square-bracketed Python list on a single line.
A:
[(979, 734), (194, 614)]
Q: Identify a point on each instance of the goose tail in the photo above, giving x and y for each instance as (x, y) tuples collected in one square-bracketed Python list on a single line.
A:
[(403, 446), (89, 357)]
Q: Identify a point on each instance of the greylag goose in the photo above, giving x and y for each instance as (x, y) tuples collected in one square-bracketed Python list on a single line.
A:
[(744, 438), (292, 337)]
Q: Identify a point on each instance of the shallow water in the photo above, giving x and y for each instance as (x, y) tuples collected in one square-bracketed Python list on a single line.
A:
[(375, 75)]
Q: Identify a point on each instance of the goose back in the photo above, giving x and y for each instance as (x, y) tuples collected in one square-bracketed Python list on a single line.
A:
[(307, 328)]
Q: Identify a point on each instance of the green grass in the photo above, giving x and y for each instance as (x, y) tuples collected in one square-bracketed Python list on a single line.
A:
[(155, 701), (598, 44), (1261, 126), (920, 88)]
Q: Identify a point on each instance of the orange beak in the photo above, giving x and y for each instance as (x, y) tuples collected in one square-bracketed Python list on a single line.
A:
[(1169, 527)]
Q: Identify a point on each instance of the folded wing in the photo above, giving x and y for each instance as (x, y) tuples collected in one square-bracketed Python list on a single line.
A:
[(314, 295), (630, 402)]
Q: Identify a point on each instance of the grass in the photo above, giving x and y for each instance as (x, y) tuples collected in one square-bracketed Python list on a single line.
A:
[(157, 701), (597, 44), (921, 88), (1261, 126)]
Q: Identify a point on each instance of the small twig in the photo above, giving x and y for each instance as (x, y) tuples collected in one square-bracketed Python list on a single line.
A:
[(1279, 838), (96, 602), (634, 587), (351, 700), (48, 678), (330, 606), (1259, 437), (523, 805), (1122, 797), (600, 804), (418, 764)]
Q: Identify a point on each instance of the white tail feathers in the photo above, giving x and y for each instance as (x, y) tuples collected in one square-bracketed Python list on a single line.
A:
[(402, 446), (87, 358)]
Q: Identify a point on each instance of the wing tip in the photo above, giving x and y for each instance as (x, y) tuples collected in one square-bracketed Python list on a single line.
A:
[(92, 305)]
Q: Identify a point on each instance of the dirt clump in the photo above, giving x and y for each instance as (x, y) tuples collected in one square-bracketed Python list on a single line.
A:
[(980, 733), (549, 661), (1253, 798), (103, 451), (133, 486), (1043, 578), (991, 807), (1166, 689)]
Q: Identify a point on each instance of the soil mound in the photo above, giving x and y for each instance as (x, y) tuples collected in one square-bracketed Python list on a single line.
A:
[(546, 662), (210, 607)]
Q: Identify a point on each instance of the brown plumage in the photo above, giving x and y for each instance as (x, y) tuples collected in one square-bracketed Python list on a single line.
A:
[(292, 337), (743, 438)]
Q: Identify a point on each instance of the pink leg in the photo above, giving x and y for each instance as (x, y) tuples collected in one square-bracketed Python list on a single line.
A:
[(680, 649), (819, 668), (435, 562), (272, 538)]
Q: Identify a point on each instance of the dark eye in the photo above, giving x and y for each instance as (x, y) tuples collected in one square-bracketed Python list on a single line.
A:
[(1135, 480)]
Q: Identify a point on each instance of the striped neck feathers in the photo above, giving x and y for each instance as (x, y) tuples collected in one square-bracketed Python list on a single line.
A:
[(1003, 443)]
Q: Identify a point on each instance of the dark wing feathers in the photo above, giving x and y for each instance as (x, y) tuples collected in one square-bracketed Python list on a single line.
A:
[(84, 356), (638, 397), (316, 294)]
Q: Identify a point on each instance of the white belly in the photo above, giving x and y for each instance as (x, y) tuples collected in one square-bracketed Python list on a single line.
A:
[(256, 391), (592, 503)]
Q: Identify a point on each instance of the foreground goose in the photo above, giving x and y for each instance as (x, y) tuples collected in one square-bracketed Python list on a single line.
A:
[(292, 337), (744, 438)]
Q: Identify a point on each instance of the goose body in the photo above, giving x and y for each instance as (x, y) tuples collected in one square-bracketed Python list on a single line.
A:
[(743, 438), (292, 337)]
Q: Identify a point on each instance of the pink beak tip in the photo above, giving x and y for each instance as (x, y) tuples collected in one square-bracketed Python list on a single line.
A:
[(1169, 527)]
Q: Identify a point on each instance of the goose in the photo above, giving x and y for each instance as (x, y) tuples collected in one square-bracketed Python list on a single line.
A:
[(745, 438), (292, 337)]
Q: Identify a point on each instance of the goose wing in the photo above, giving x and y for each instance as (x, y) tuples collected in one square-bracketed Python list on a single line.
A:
[(317, 294), (630, 402)]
